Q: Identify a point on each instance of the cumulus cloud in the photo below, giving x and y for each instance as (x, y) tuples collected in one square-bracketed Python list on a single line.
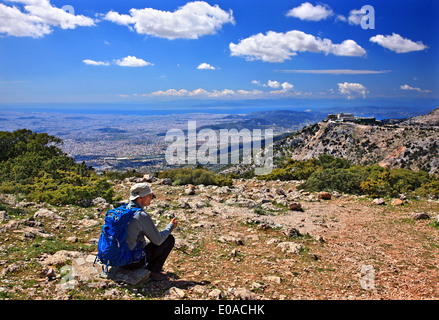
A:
[(355, 16), (95, 63), (397, 43), (204, 93), (407, 87), (306, 11), (351, 90), (131, 61), (205, 66), (284, 89), (278, 46), (37, 19), (274, 84), (190, 21)]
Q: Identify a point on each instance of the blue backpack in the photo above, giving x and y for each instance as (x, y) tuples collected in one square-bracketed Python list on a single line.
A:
[(112, 247)]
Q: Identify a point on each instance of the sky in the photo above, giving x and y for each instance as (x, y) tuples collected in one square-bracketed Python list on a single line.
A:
[(58, 51)]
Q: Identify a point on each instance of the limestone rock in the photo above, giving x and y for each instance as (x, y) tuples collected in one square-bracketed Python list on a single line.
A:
[(3, 216), (295, 206), (291, 232), (190, 191), (230, 239), (379, 201), (420, 215), (59, 258), (45, 213), (243, 294), (324, 195), (175, 293), (274, 279), (290, 247), (132, 277), (166, 181), (215, 294)]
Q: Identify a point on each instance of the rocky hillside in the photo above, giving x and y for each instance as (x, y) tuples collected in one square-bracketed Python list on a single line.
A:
[(412, 143), (253, 240), (431, 119)]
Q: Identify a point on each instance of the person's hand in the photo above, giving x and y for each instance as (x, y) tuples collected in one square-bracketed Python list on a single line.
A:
[(174, 222)]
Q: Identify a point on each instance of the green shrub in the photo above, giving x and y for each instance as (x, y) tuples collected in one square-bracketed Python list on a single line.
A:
[(32, 164), (302, 170), (392, 182), (199, 175), (341, 180)]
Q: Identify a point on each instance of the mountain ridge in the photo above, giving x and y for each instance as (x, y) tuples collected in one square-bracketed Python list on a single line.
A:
[(412, 143)]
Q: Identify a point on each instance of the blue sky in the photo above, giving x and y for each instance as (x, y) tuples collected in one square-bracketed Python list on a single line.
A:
[(151, 51)]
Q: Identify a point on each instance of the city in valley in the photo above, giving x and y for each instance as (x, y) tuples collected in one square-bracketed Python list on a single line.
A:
[(106, 141)]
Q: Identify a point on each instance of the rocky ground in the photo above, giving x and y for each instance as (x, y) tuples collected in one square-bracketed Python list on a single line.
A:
[(256, 240)]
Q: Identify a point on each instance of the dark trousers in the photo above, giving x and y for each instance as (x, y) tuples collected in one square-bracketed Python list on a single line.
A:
[(155, 255)]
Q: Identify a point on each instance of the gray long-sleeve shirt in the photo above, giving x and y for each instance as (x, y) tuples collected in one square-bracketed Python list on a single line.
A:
[(142, 226)]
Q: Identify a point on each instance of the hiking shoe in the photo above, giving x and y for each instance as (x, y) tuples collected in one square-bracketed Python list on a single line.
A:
[(158, 276)]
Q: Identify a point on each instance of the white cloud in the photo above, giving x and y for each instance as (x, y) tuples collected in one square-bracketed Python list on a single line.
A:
[(286, 86), (407, 87), (195, 93), (306, 11), (190, 21), (278, 47), (95, 63), (355, 17), (340, 17), (273, 84), (397, 43), (285, 89), (131, 61), (37, 19), (205, 66), (352, 89)]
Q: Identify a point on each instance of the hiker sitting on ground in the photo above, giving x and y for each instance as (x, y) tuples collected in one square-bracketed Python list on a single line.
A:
[(141, 226)]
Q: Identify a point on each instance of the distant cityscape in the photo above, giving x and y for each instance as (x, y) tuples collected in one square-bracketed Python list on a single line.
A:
[(122, 142)]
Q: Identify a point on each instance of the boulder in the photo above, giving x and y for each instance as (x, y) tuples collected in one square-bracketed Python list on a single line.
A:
[(149, 177), (59, 258), (274, 279), (190, 191), (102, 204), (291, 232), (379, 201), (46, 213), (166, 182), (397, 202), (175, 293), (132, 277), (279, 192), (290, 247), (295, 206), (324, 195), (230, 239), (264, 223), (420, 215), (3, 216), (215, 294), (243, 294)]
